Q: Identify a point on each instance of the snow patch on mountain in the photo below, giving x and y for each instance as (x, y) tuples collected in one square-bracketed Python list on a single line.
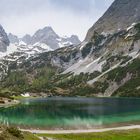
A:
[(43, 40), (88, 65), (130, 27)]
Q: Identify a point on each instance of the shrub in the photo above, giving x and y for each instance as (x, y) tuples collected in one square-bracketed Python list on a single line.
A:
[(2, 138), (15, 132), (86, 50)]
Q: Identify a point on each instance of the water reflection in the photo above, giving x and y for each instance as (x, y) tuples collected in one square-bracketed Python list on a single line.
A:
[(71, 112)]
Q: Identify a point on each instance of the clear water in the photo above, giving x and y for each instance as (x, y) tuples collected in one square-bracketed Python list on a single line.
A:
[(71, 112)]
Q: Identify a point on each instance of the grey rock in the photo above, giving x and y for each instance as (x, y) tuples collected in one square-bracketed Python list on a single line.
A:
[(13, 38), (4, 41), (46, 36), (73, 39), (27, 39), (120, 15)]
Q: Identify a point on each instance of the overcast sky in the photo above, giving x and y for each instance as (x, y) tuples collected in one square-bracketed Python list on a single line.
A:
[(65, 16)]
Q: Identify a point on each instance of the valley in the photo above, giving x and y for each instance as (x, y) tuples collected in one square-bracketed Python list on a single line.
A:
[(55, 87), (91, 70), (96, 67)]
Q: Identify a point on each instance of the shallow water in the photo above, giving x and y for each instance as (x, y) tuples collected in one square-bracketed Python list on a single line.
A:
[(77, 113)]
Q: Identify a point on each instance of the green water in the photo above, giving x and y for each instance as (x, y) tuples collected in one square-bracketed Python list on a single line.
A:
[(71, 112)]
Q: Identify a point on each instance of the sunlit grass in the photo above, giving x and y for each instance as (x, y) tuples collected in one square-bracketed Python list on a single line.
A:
[(111, 135)]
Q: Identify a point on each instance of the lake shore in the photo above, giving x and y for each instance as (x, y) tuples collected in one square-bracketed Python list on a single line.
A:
[(81, 131), (76, 125), (5, 102)]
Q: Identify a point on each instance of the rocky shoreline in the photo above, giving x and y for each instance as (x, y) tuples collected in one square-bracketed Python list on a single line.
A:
[(6, 102)]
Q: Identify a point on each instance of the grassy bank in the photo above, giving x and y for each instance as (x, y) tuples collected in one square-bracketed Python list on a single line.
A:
[(111, 135), (12, 133)]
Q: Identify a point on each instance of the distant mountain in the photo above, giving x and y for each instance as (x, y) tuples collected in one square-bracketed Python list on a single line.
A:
[(13, 38), (74, 39), (45, 37), (27, 39), (48, 36), (4, 41), (22, 49)]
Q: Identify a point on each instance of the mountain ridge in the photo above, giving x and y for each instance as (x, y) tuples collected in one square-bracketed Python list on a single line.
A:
[(43, 36), (4, 41), (120, 15)]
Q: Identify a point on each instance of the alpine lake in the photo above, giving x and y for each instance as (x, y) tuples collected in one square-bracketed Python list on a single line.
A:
[(72, 113)]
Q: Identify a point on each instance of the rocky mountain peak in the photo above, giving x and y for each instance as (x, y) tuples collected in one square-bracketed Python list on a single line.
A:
[(75, 39), (44, 34), (43, 40), (27, 39), (4, 41), (120, 15), (48, 30)]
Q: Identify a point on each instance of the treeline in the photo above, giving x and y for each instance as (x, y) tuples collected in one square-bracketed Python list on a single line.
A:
[(46, 80)]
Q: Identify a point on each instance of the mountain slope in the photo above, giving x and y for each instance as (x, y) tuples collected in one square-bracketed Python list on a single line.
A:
[(49, 37), (42, 41), (4, 41), (27, 39), (13, 38), (82, 70), (120, 15), (102, 65), (45, 36)]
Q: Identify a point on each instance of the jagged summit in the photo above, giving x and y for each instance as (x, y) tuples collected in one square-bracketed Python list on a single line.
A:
[(43, 40), (47, 30), (45, 37), (120, 15), (43, 34)]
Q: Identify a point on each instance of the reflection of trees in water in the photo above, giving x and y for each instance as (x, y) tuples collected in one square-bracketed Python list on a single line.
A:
[(53, 112), (4, 121), (47, 110)]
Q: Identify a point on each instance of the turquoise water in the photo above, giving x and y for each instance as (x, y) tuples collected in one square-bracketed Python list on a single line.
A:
[(71, 112)]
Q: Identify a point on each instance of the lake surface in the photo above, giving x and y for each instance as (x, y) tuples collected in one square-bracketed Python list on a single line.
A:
[(56, 112)]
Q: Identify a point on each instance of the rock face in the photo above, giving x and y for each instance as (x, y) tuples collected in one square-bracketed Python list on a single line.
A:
[(43, 40), (4, 41), (27, 39), (120, 15), (73, 39), (13, 38), (46, 36), (107, 63)]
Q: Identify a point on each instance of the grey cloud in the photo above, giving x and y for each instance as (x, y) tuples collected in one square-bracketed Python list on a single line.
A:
[(12, 7), (23, 7), (75, 16), (76, 5)]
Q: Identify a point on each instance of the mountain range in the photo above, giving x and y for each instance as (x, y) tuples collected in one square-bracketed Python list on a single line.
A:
[(46, 36), (106, 63), (43, 40)]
